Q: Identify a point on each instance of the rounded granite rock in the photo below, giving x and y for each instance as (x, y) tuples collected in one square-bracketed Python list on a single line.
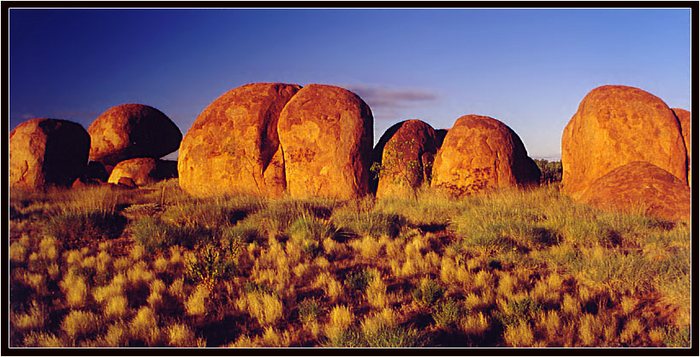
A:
[(404, 156), (128, 131), (233, 146), (616, 125), (480, 153), (47, 152), (326, 138)]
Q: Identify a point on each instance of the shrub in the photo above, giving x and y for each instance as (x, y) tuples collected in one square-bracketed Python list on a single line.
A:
[(207, 265), (156, 235), (447, 313), (427, 292), (341, 318), (80, 324), (357, 281), (74, 228), (308, 232), (359, 218), (309, 310), (265, 307), (551, 171)]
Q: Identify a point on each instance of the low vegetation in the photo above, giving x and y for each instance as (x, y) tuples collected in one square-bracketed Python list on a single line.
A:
[(155, 267)]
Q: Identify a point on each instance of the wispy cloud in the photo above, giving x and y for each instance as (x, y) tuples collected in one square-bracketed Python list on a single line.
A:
[(378, 96), (389, 103)]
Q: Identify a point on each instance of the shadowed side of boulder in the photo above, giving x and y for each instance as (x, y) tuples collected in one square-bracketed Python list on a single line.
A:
[(47, 152)]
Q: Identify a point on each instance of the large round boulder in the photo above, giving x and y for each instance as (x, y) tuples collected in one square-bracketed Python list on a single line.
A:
[(404, 159), (132, 130), (615, 125), (47, 152), (326, 136), (233, 146), (481, 153), (143, 171), (640, 186)]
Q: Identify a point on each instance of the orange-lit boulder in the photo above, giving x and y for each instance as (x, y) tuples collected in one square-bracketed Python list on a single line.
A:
[(481, 153), (132, 130), (404, 156), (326, 137), (233, 146), (615, 125), (637, 186), (47, 152), (143, 171)]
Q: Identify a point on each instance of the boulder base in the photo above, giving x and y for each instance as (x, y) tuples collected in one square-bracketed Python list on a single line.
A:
[(641, 185)]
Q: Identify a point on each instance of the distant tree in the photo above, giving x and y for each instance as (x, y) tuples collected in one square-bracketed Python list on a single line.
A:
[(551, 171)]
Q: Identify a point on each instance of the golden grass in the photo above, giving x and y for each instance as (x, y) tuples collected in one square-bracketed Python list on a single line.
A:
[(509, 268)]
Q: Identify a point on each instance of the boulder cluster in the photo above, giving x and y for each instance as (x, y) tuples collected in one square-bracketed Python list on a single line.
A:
[(123, 145), (625, 149), (273, 138)]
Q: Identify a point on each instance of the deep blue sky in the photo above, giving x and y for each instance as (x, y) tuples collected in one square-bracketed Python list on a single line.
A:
[(529, 68)]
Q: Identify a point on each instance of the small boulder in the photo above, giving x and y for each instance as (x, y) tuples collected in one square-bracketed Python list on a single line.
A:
[(143, 171), (640, 185), (615, 125), (233, 146), (326, 138), (47, 152), (481, 153), (404, 156), (129, 131)]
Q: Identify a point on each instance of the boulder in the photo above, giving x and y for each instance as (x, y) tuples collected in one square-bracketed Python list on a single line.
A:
[(326, 138), (143, 171), (233, 146), (481, 153), (637, 186), (404, 155), (683, 117), (132, 130), (47, 152), (615, 125)]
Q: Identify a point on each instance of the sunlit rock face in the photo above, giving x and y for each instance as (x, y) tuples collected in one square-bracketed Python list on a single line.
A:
[(616, 125), (233, 145), (643, 188), (480, 153), (143, 171), (132, 130), (403, 159), (326, 137), (47, 152)]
